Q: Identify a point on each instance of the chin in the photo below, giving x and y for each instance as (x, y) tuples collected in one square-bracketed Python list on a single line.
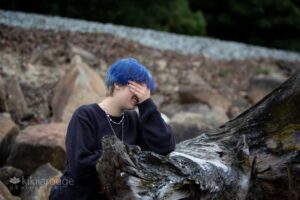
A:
[(131, 107)]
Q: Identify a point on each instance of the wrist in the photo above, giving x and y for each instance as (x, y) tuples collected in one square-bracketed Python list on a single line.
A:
[(143, 100), (146, 105)]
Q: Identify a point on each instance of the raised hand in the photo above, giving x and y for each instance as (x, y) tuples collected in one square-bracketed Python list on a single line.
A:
[(140, 90)]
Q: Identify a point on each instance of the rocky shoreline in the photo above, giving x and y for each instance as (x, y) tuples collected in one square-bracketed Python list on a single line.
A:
[(46, 74), (209, 47)]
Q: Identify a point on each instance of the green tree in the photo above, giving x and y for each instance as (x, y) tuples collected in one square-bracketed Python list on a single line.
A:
[(168, 15), (263, 22)]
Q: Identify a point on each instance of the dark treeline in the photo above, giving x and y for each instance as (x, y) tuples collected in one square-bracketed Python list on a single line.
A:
[(262, 22)]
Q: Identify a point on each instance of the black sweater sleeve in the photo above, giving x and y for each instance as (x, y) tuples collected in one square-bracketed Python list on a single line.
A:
[(155, 134), (81, 146)]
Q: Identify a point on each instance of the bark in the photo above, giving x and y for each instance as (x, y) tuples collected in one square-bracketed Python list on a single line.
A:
[(254, 156)]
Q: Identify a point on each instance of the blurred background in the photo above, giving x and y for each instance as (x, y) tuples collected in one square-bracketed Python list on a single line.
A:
[(266, 22), (211, 61)]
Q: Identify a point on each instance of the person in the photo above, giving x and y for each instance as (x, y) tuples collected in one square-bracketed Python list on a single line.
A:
[(129, 85)]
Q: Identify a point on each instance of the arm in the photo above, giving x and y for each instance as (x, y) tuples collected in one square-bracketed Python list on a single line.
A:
[(81, 146), (156, 135)]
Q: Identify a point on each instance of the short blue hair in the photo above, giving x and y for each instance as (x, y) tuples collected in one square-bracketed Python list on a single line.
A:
[(127, 69)]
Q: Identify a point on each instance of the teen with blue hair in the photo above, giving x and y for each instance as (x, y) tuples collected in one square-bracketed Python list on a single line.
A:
[(129, 85), (128, 69)]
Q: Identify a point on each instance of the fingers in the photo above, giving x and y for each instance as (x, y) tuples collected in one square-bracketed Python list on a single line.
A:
[(138, 85), (140, 90), (135, 91), (137, 88)]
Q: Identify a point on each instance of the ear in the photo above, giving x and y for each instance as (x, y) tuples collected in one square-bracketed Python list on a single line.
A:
[(117, 86)]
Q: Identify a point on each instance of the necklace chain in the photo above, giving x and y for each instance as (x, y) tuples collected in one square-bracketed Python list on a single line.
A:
[(114, 130), (110, 120)]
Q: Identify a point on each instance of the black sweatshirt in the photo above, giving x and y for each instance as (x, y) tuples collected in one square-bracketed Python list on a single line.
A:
[(83, 144)]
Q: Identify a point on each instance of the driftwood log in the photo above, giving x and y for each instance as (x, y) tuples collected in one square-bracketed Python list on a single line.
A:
[(254, 156)]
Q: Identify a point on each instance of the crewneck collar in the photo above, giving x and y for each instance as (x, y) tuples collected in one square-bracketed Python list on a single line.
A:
[(104, 113)]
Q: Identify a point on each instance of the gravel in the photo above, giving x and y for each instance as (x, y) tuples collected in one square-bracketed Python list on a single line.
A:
[(212, 48)]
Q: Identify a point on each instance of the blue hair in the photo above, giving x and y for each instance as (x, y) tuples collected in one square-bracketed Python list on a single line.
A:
[(127, 69)]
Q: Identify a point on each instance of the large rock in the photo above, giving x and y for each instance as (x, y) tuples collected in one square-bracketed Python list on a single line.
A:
[(174, 108), (238, 105), (11, 177), (3, 101), (203, 94), (187, 125), (37, 79), (15, 98), (79, 86), (193, 79), (38, 83), (44, 178), (87, 56), (214, 118), (37, 145), (8, 132), (168, 83), (5, 193), (261, 86), (46, 56), (171, 109)]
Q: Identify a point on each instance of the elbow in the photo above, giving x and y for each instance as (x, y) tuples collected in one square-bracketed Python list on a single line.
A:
[(172, 141), (167, 151), (163, 150), (171, 147)]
